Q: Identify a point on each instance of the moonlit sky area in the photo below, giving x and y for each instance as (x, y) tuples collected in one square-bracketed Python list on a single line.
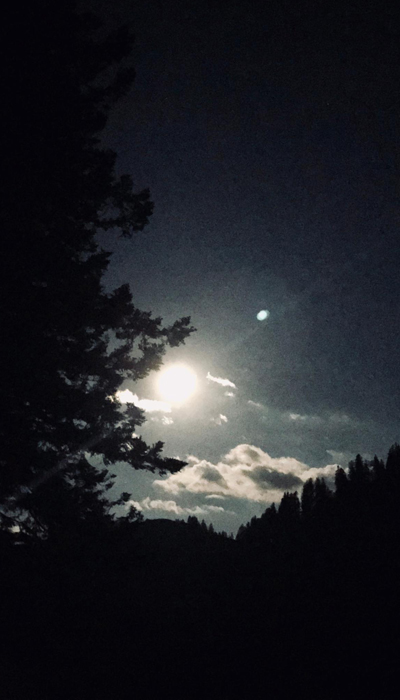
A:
[(176, 383), (268, 135)]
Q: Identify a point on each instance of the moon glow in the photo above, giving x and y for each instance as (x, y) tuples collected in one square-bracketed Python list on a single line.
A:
[(177, 383)]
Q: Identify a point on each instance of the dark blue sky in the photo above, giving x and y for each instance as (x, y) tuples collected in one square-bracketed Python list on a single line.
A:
[(268, 136)]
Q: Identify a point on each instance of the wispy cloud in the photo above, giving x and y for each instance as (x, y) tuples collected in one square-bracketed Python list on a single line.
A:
[(340, 457), (305, 418), (256, 405), (148, 405), (220, 380), (229, 393), (338, 419), (147, 504), (343, 458), (341, 419), (219, 420), (246, 472)]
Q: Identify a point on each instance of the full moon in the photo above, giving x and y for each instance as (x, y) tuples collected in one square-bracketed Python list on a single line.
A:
[(177, 383)]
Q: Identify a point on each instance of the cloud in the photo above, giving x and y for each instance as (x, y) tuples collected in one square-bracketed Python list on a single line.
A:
[(165, 420), (341, 419), (336, 420), (221, 419), (151, 405), (219, 380), (267, 479), (148, 405), (212, 474), (246, 472), (229, 393), (340, 457), (125, 396), (256, 404), (327, 472), (297, 416), (304, 418), (147, 504)]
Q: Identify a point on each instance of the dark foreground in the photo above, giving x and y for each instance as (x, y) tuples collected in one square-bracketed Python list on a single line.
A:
[(171, 612)]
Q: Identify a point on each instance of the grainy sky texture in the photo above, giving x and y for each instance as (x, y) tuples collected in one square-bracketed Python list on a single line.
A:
[(268, 134)]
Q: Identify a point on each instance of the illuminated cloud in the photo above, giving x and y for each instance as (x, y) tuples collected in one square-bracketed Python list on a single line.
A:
[(220, 420), (148, 405), (126, 396), (151, 405), (220, 380), (327, 472), (246, 472), (229, 393), (148, 504)]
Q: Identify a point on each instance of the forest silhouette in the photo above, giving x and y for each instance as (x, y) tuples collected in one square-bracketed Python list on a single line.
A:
[(302, 603)]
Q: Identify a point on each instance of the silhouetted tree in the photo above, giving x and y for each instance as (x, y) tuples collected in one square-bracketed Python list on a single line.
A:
[(193, 522), (323, 498), (359, 472), (307, 500), (341, 482), (289, 509), (269, 518), (70, 344), (204, 527), (393, 466), (378, 469), (240, 536)]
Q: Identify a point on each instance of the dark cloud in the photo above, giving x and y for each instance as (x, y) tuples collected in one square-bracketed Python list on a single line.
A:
[(267, 479), (213, 475)]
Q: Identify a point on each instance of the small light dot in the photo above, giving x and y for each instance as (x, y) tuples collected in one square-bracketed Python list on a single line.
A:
[(262, 315)]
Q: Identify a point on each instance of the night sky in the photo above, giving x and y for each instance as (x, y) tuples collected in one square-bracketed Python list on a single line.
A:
[(268, 135)]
